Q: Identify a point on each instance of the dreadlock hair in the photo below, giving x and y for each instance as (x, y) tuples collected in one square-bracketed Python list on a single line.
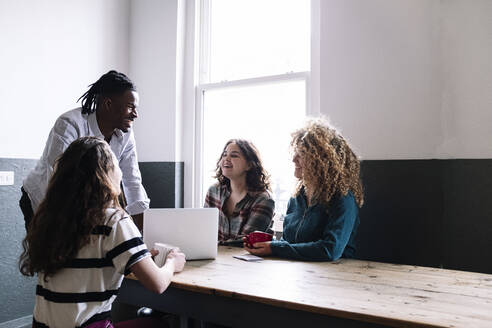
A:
[(109, 84), (78, 194)]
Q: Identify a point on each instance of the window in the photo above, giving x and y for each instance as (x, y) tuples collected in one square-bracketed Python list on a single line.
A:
[(253, 84)]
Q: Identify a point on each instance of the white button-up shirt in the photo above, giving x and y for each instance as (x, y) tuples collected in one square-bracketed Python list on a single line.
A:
[(71, 126)]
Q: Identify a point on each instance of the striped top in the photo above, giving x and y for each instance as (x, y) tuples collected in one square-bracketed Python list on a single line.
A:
[(253, 212), (84, 290)]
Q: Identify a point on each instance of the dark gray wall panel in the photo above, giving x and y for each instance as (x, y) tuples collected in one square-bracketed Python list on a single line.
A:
[(428, 212), (402, 211), (17, 291), (163, 182), (467, 223)]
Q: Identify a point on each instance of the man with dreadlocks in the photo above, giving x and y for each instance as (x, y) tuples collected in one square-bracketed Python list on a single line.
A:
[(107, 112)]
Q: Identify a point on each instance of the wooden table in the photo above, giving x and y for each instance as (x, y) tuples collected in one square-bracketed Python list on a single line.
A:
[(347, 293)]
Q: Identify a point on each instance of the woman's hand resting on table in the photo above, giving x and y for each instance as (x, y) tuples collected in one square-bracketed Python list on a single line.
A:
[(259, 249), (178, 258)]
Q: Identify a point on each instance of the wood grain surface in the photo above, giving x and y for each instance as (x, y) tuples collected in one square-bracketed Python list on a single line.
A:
[(388, 294)]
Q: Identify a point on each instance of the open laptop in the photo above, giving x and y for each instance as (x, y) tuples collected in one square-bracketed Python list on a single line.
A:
[(193, 230)]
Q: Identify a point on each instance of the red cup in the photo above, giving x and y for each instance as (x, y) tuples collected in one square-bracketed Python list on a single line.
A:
[(258, 236)]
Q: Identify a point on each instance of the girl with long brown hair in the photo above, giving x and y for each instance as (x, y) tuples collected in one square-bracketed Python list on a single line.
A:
[(241, 193), (80, 242)]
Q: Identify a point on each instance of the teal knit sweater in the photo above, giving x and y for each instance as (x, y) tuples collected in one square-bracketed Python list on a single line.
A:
[(318, 232)]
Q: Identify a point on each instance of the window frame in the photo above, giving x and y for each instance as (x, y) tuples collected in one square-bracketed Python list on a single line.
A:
[(201, 71)]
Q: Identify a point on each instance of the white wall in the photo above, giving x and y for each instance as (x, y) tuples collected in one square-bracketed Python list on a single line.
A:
[(466, 56), (380, 75), (50, 52), (409, 79), (403, 79), (153, 44)]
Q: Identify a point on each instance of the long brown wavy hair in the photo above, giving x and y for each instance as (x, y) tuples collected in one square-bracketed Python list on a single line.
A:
[(257, 178), (330, 165), (79, 192)]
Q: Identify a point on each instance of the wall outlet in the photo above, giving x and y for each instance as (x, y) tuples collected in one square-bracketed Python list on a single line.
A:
[(6, 178)]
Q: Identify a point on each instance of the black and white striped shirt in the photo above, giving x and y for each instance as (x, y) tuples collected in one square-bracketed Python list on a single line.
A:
[(87, 286)]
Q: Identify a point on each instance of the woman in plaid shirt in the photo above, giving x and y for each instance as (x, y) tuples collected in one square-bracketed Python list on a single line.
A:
[(241, 193)]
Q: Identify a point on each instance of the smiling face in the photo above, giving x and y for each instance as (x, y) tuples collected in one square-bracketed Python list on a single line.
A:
[(233, 163), (123, 110), (299, 164)]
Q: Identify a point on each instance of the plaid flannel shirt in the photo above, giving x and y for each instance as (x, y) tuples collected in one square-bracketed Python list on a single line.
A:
[(253, 212)]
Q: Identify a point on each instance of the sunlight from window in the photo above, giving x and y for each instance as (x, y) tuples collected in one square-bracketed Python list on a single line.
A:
[(266, 115), (254, 84), (251, 38)]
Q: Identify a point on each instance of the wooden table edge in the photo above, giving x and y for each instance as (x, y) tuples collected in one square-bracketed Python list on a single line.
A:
[(391, 322)]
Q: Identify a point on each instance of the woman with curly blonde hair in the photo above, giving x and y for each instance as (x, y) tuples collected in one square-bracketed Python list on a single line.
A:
[(322, 216)]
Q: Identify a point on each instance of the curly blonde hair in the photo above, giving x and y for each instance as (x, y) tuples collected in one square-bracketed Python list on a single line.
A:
[(330, 166)]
